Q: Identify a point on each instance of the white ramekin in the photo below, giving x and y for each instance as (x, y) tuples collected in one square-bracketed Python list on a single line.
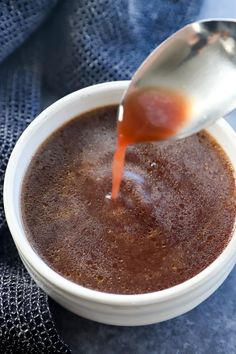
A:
[(103, 307)]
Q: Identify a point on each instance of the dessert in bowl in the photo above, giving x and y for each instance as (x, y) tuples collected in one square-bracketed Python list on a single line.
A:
[(158, 250)]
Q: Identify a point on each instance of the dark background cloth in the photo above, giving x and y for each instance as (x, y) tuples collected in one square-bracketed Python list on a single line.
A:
[(64, 45)]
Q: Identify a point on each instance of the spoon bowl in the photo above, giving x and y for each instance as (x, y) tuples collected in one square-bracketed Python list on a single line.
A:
[(198, 61)]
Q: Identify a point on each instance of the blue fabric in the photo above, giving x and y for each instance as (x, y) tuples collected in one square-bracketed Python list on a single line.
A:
[(107, 40), (65, 45)]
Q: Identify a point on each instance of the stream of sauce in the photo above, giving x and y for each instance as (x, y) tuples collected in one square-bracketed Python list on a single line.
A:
[(149, 114)]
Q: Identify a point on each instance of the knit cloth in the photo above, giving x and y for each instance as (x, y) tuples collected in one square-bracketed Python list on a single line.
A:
[(82, 42)]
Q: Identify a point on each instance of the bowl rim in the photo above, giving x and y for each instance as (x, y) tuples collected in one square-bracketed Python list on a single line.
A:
[(51, 276)]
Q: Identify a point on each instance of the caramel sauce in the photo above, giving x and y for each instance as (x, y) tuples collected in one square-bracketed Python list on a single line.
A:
[(148, 115)]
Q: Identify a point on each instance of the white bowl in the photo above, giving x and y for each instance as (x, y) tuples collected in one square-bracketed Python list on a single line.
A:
[(103, 307)]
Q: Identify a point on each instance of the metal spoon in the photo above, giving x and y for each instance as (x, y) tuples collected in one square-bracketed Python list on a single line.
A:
[(200, 61)]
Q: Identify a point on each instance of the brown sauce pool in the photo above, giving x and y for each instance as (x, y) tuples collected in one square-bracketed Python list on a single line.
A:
[(173, 217)]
